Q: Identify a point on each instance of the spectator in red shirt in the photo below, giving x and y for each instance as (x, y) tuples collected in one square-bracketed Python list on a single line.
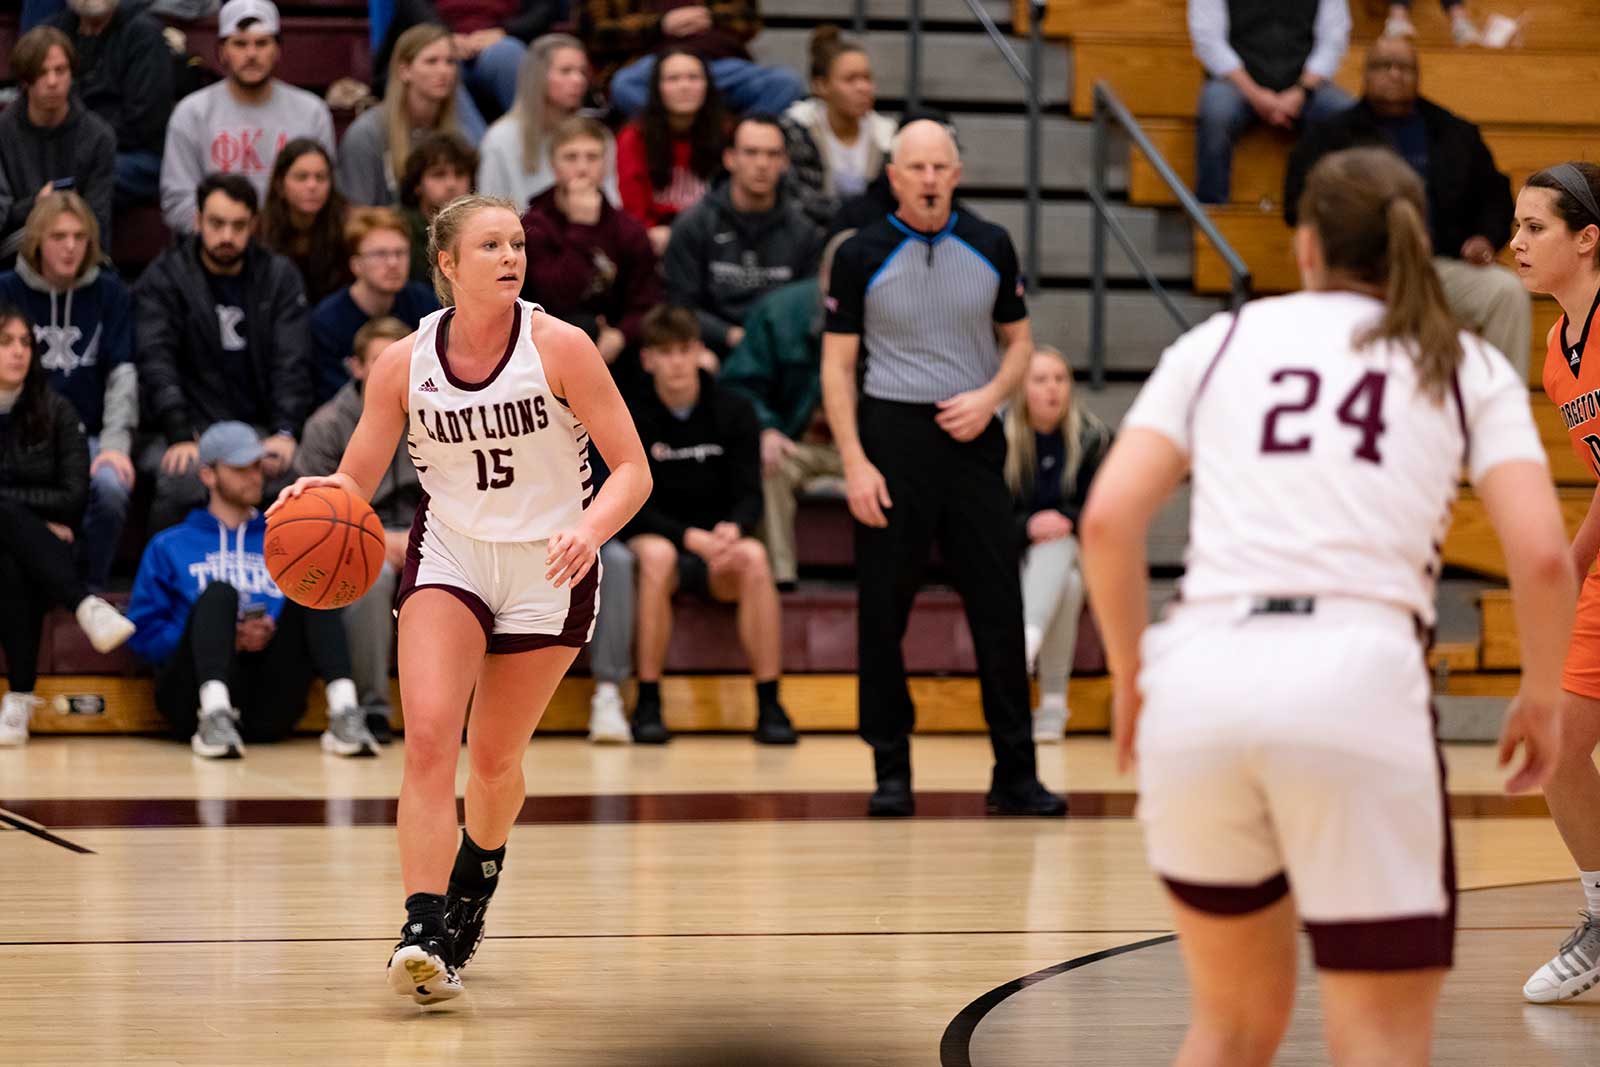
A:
[(588, 263), (668, 156)]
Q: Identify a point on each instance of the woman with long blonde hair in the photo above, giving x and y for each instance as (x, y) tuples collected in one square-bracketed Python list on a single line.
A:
[(420, 99), (1054, 445), (515, 153)]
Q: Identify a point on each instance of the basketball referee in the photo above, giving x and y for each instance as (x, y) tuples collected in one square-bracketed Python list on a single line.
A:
[(929, 303)]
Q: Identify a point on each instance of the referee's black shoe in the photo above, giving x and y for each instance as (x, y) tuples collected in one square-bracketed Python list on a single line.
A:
[(1028, 798), (892, 800), (773, 726), (648, 729)]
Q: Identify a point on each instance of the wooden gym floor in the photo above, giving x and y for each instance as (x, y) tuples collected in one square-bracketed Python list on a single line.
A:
[(708, 903)]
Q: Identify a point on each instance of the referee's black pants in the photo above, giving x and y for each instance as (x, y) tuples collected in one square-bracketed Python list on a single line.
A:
[(953, 493)]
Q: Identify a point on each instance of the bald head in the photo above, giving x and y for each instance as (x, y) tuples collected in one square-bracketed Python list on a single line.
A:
[(924, 170), (1391, 79)]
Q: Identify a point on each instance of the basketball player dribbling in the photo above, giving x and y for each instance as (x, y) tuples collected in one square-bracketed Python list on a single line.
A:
[(1557, 249), (1287, 764), (499, 401)]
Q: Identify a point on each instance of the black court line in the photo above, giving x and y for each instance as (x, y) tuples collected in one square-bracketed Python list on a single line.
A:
[(955, 1047), (40, 832)]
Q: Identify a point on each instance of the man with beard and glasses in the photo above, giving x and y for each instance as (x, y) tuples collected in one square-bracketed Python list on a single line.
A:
[(222, 335), (233, 658), (125, 77), (238, 125)]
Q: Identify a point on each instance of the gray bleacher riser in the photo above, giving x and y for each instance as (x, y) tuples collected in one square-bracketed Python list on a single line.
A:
[(840, 12), (994, 153), (1138, 329), (1163, 238), (962, 67)]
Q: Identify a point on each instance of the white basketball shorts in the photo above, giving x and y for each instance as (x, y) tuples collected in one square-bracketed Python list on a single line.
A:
[(503, 584), (1287, 745)]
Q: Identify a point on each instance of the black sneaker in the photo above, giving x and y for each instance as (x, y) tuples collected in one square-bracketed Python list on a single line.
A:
[(892, 800), (463, 922), (420, 967), (773, 726), (648, 729), (378, 724), (1030, 798)]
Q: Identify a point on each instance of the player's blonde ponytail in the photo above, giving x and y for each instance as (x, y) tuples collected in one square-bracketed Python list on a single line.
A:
[(1368, 209), (445, 231)]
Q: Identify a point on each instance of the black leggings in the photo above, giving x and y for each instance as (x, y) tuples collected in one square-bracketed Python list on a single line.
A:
[(36, 573), (268, 687)]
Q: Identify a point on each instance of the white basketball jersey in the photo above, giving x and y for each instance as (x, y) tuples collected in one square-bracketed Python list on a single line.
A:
[(1319, 467), (503, 459)]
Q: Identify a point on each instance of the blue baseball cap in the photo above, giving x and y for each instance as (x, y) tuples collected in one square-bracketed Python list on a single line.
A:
[(233, 444)]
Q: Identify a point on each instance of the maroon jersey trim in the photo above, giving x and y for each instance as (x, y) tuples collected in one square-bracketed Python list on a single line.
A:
[(441, 344)]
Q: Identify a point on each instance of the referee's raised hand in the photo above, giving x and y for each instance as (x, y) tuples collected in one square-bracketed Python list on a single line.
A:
[(867, 493)]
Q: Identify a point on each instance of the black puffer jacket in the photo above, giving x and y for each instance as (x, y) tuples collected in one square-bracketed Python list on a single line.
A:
[(182, 383), (49, 477)]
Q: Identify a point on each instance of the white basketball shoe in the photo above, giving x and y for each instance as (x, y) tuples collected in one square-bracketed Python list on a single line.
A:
[(1574, 970)]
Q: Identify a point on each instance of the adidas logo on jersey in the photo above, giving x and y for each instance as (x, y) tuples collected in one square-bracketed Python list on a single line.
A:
[(428, 387)]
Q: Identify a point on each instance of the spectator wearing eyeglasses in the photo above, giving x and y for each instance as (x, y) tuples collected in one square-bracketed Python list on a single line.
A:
[(381, 262)]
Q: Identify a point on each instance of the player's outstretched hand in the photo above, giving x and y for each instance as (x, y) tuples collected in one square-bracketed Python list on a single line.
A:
[(300, 485), (571, 555), (1535, 724)]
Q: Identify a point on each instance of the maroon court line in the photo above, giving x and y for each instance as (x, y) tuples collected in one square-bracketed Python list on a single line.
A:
[(606, 809)]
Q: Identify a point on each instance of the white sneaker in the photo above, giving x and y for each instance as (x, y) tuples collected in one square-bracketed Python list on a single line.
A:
[(1463, 32), (1398, 25), (15, 711), (1050, 722), (106, 626), (607, 724), (1574, 970)]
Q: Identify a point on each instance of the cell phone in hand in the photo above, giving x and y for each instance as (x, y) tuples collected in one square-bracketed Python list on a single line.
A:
[(251, 612)]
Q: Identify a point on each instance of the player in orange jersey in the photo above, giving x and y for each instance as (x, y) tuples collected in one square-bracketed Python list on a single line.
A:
[(1557, 247)]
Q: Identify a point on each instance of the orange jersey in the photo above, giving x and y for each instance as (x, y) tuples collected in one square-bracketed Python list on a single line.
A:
[(1576, 391)]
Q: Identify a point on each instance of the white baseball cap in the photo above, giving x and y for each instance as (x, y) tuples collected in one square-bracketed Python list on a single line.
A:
[(265, 13)]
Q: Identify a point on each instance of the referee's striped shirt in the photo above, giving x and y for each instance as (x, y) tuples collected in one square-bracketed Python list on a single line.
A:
[(925, 305)]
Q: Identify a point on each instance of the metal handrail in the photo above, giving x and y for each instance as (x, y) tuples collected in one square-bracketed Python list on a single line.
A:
[(1108, 108)]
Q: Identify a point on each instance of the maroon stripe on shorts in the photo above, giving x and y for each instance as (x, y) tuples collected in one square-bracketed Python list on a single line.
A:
[(1230, 899), (408, 577), (574, 629)]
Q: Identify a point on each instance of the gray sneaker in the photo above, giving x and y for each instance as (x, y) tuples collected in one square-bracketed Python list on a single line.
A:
[(1574, 970), (347, 734), (217, 735)]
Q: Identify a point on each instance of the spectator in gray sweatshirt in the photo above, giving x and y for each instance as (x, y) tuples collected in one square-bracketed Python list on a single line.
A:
[(48, 140), (742, 240), (238, 125)]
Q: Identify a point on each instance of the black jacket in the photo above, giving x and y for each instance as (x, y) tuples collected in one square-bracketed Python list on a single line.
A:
[(533, 18), (1467, 195), (183, 388), (82, 148), (51, 477), (707, 468), (1094, 441), (125, 75)]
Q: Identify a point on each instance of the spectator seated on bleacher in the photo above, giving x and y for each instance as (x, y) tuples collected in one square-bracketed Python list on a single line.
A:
[(1054, 445), (44, 481), (48, 139), (837, 142), (1462, 29), (490, 37), (239, 125), (623, 37), (878, 199), (221, 337), (778, 368), (668, 157), (369, 622), (83, 325), (125, 77), (380, 257), (233, 657), (694, 534), (515, 153), (743, 240), (438, 170), (1469, 200), (420, 100), (1268, 61), (588, 263), (303, 218)]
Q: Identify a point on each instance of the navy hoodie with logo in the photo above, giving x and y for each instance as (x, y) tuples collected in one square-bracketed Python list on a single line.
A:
[(85, 343), (177, 566)]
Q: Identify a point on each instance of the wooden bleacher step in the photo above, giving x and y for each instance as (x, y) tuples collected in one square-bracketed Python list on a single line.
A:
[(1501, 650), (1472, 545)]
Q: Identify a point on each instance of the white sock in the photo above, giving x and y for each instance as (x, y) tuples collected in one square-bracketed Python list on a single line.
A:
[(214, 697), (342, 694), (1591, 890), (607, 688)]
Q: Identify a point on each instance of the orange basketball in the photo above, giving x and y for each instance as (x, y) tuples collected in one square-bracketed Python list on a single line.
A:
[(324, 548)]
